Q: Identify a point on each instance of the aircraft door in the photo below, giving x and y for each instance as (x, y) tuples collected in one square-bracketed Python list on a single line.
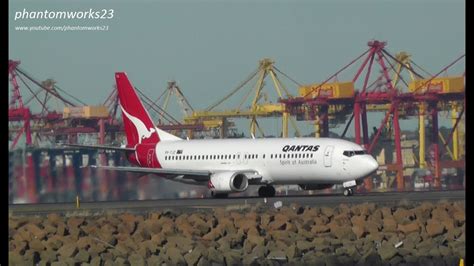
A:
[(328, 156), (238, 159), (246, 158)]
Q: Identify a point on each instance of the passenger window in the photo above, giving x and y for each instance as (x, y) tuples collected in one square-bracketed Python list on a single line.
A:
[(264, 156)]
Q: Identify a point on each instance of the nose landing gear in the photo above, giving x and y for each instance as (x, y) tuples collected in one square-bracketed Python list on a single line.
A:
[(349, 187), (348, 192), (266, 191)]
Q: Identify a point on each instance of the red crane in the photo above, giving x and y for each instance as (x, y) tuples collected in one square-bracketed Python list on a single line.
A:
[(390, 95)]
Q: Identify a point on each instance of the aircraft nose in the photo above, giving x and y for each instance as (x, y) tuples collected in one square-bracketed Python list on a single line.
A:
[(373, 164)]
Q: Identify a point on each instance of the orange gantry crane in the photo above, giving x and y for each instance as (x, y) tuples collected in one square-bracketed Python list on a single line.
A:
[(259, 106)]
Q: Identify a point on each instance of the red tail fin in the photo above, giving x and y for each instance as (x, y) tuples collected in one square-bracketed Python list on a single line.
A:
[(138, 125)]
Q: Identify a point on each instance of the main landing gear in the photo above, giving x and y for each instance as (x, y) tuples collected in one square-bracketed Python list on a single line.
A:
[(266, 191), (219, 195), (348, 192)]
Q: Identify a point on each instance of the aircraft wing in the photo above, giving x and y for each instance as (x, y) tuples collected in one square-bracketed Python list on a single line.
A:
[(177, 174), (99, 147), (196, 175)]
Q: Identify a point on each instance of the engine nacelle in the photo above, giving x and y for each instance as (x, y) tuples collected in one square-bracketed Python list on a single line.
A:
[(315, 186), (228, 182)]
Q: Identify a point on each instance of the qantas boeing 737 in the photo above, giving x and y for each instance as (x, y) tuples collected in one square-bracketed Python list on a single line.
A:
[(231, 165)]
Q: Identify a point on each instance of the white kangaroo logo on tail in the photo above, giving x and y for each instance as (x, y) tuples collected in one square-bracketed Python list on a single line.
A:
[(143, 132)]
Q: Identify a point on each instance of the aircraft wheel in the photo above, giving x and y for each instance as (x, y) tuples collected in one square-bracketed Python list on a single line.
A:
[(347, 192), (220, 195), (266, 191), (271, 191)]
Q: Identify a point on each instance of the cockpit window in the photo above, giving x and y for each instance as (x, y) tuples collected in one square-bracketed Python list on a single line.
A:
[(348, 153), (352, 153)]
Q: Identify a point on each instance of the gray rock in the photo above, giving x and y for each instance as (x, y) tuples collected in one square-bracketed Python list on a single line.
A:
[(136, 260), (387, 251), (232, 257), (96, 261), (304, 245), (277, 255), (174, 255), (82, 256), (68, 250), (193, 257), (215, 256)]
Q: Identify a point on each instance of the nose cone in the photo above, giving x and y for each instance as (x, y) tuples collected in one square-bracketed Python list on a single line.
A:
[(372, 164)]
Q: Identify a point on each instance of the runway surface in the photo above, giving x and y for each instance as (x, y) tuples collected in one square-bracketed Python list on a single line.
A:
[(386, 198)]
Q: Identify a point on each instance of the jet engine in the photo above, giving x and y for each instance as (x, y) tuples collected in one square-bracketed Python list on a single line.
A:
[(315, 186), (228, 182)]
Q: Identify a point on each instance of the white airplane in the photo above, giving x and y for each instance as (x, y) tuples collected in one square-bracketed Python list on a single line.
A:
[(231, 165)]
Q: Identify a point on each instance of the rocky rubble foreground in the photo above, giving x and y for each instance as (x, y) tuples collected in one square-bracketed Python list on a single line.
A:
[(364, 234)]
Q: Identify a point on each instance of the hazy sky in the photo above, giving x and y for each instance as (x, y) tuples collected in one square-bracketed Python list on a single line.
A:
[(210, 46)]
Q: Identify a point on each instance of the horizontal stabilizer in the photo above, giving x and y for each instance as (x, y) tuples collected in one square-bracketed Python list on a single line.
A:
[(100, 147)]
